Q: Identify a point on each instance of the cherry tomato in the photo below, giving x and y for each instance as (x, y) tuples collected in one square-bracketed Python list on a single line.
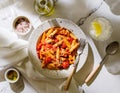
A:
[(70, 39), (64, 45), (39, 46), (56, 40), (65, 64), (49, 46), (48, 60)]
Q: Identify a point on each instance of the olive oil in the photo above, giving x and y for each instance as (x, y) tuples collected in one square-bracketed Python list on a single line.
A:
[(44, 7), (12, 75)]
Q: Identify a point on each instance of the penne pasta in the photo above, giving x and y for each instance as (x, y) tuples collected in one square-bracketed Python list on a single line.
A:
[(73, 43), (50, 55), (59, 37), (53, 33), (73, 36), (67, 43), (57, 47), (49, 32), (58, 43), (74, 47), (43, 37), (49, 41), (58, 54)]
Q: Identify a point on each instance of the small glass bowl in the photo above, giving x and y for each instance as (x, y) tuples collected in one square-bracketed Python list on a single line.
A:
[(100, 29), (12, 75), (22, 25)]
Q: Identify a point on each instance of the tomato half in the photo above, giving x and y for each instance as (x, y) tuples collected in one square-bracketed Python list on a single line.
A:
[(65, 64)]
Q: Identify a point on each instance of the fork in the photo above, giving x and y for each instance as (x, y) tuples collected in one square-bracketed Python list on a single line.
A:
[(79, 52)]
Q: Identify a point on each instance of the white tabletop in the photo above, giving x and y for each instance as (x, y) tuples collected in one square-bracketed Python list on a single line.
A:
[(105, 82)]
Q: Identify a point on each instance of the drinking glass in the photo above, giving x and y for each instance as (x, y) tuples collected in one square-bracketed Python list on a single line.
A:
[(100, 29)]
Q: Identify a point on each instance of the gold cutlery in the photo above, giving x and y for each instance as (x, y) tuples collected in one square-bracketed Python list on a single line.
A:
[(111, 49), (79, 52)]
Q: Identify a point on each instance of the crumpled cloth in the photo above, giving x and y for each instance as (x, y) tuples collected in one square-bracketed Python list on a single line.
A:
[(114, 6)]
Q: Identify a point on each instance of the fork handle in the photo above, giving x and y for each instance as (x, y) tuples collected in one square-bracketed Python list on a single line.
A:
[(67, 84), (68, 81)]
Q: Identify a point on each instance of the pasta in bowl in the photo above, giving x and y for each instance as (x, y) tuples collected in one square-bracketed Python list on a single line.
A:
[(52, 48), (56, 48)]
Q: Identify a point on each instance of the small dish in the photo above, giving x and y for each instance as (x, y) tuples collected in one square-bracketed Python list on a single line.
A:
[(12, 75), (22, 25)]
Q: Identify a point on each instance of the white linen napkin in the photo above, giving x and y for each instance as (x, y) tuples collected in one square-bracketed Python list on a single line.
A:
[(10, 46)]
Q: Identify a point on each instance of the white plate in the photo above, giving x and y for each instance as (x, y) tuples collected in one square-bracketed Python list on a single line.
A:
[(36, 34)]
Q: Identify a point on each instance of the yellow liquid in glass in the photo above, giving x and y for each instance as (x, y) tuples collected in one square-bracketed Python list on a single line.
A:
[(97, 27), (47, 10)]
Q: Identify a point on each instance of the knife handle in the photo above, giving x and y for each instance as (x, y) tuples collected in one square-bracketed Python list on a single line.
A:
[(92, 76)]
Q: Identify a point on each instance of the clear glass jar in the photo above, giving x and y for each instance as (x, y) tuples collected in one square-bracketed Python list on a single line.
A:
[(100, 29), (44, 7)]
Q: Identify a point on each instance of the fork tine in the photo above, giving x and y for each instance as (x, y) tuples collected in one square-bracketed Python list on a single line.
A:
[(82, 43)]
